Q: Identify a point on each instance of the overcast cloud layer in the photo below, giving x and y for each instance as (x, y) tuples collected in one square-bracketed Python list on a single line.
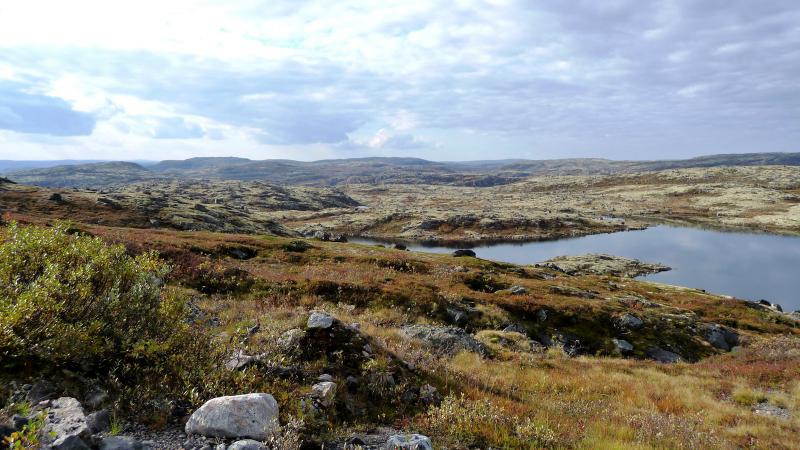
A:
[(442, 80)]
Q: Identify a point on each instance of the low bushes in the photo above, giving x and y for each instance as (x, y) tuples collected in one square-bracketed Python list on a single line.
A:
[(68, 298)]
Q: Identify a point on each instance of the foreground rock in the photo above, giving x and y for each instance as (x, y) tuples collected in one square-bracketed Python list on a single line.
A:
[(601, 264), (447, 340), (252, 416), (65, 427)]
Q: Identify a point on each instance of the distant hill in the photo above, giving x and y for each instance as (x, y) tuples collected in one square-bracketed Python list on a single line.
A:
[(367, 170), (84, 175)]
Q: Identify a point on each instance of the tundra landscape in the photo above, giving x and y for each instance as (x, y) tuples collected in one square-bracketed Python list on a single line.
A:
[(215, 288)]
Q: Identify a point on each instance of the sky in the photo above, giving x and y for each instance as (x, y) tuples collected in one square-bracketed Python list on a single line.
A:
[(441, 80)]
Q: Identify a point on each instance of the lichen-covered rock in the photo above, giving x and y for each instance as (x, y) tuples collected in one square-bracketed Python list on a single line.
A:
[(319, 320), (246, 444), (409, 442), (252, 416), (629, 322), (721, 337), (622, 346), (446, 340), (324, 393), (602, 264), (65, 426)]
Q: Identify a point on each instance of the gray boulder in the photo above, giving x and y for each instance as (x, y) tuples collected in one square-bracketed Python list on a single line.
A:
[(324, 393), (623, 346), (99, 421), (252, 416), (408, 442), (629, 322), (446, 340), (240, 361), (41, 391), (464, 252), (319, 320), (663, 356), (721, 337), (65, 426), (247, 444)]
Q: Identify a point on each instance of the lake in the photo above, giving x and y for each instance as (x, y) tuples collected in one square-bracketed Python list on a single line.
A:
[(744, 265)]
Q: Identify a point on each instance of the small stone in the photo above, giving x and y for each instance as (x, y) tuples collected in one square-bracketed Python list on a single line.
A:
[(409, 442), (429, 394), (319, 320), (246, 444), (517, 290), (19, 421), (325, 393), (325, 377), (99, 421), (464, 252), (622, 346), (629, 321)]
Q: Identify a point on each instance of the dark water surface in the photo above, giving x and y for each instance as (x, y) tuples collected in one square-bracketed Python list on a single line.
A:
[(744, 265)]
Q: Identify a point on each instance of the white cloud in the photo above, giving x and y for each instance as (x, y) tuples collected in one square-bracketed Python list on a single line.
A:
[(307, 78)]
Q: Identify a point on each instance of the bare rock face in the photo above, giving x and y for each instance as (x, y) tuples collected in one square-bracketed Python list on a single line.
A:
[(65, 426), (601, 264), (252, 416)]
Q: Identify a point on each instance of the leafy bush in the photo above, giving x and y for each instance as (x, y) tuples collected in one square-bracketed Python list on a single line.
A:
[(68, 298), (461, 423)]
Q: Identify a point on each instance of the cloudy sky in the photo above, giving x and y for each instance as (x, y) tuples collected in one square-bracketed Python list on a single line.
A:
[(443, 80)]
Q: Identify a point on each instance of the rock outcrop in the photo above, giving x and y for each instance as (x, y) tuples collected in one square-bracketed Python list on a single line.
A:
[(445, 340), (602, 264)]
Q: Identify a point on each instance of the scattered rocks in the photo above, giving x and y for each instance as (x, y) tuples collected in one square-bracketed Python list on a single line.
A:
[(464, 252), (409, 442), (319, 320), (446, 340), (602, 264), (766, 409), (252, 416)]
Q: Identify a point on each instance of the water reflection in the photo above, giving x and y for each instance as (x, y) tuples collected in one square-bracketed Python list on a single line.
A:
[(751, 266)]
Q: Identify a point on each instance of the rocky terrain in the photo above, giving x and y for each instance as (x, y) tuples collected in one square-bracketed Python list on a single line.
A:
[(297, 343), (764, 199)]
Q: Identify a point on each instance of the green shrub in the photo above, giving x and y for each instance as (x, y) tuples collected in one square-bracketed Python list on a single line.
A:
[(67, 298)]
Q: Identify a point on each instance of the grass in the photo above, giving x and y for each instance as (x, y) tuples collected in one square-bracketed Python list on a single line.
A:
[(513, 399)]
